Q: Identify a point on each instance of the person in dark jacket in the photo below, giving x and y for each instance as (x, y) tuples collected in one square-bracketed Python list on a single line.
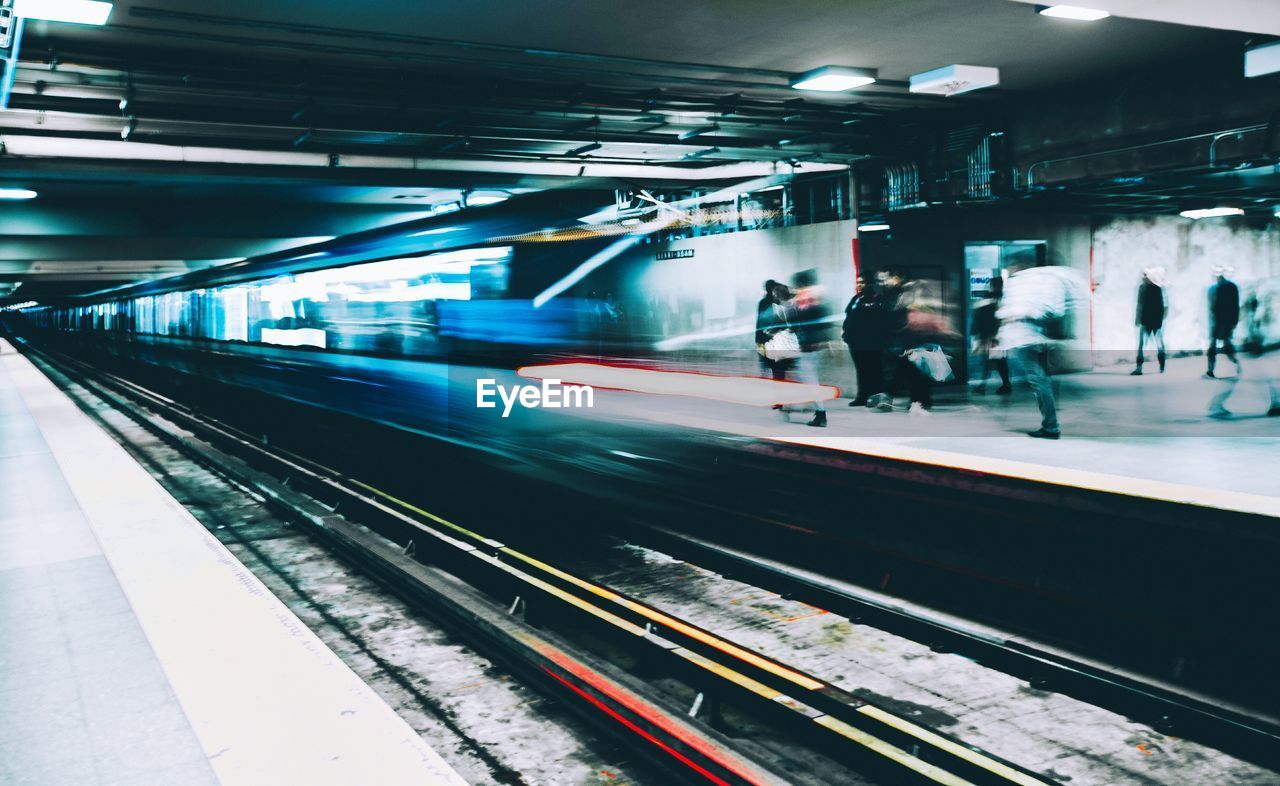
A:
[(897, 296), (1224, 315), (770, 320), (985, 328), (864, 332), (1150, 318)]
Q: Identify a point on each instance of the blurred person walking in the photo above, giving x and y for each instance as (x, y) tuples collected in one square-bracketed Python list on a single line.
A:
[(896, 297), (1034, 311), (771, 320), (864, 333), (810, 318), (1269, 366), (984, 329), (1150, 317), (1224, 315), (1265, 371), (922, 363)]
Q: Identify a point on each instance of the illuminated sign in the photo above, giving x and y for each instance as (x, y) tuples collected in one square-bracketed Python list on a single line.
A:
[(675, 253)]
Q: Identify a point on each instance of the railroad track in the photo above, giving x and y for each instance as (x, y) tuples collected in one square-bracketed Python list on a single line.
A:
[(401, 544), (863, 735), (1164, 707)]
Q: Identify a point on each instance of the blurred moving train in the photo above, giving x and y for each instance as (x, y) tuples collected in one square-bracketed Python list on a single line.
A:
[(562, 272)]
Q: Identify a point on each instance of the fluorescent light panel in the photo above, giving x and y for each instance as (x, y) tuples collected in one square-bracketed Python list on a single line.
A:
[(872, 227), (1212, 212), (81, 12), (17, 193), (833, 79), (1075, 12), (1262, 60), (955, 79)]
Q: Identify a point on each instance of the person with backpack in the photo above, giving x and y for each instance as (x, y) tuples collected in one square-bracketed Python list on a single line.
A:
[(1034, 312)]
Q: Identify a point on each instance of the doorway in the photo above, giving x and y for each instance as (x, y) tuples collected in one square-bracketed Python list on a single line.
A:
[(985, 260)]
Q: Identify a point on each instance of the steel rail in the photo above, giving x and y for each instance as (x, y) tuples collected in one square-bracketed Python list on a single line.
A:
[(790, 693)]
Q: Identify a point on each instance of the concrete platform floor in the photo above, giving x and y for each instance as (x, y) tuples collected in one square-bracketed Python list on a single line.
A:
[(1145, 436), (138, 650)]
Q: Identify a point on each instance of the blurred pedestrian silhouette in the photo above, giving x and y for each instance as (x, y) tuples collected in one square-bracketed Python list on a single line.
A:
[(1224, 315), (1150, 316), (771, 321), (1036, 310), (984, 329), (810, 318)]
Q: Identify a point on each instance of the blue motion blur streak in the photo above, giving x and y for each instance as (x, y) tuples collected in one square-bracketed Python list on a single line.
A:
[(582, 270), (10, 61)]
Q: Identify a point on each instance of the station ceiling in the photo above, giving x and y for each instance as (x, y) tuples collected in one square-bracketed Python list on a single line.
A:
[(239, 125)]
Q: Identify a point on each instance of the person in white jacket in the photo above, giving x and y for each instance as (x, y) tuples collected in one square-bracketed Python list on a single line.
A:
[(1033, 298)]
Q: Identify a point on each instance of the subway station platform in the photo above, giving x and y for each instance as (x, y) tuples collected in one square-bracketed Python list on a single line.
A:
[(1147, 437), (138, 650)]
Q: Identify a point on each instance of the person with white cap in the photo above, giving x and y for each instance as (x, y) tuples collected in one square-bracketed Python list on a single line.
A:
[(1150, 316)]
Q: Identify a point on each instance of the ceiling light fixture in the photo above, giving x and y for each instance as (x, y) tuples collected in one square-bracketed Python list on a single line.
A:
[(17, 193), (1212, 212), (833, 79), (80, 12), (873, 227), (480, 200), (955, 79), (1073, 12)]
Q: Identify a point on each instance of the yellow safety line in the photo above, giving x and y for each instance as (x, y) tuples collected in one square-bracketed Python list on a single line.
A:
[(880, 746), (713, 641), (421, 512), (688, 630), (952, 747), (596, 611), (930, 771), (736, 677)]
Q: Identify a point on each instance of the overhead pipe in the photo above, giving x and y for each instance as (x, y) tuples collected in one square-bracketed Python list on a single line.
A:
[(62, 147)]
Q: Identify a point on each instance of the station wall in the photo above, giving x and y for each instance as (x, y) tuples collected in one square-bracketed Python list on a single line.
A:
[(1187, 250), (1111, 253), (694, 299)]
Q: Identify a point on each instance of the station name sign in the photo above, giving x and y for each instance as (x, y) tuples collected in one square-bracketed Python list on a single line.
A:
[(675, 253)]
